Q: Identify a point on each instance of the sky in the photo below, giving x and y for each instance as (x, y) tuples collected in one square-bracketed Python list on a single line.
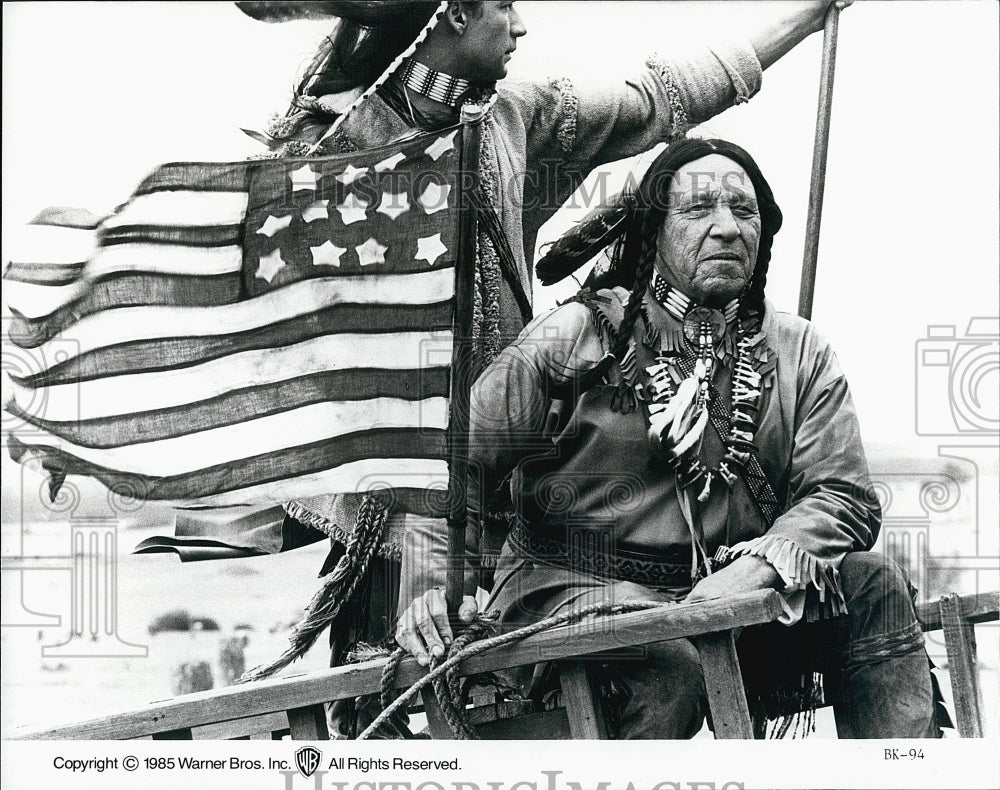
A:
[(95, 95)]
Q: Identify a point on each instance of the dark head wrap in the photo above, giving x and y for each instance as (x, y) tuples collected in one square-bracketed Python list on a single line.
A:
[(369, 35), (633, 221)]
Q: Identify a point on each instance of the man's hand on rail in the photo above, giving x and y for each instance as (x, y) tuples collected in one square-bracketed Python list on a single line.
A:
[(745, 574), (423, 629)]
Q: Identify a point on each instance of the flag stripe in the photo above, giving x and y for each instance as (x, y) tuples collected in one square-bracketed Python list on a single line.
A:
[(199, 177), (44, 273), (380, 456), (210, 236), (53, 244), (126, 325), (34, 300), (121, 291), (163, 354), (127, 394), (318, 423), (181, 207), (235, 406), (166, 259)]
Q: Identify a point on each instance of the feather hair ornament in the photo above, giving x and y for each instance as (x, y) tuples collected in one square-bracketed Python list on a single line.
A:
[(595, 232)]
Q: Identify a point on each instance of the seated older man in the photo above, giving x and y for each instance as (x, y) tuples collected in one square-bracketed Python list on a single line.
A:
[(674, 437)]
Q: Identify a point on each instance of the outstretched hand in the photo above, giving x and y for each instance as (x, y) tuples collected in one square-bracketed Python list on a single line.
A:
[(424, 628)]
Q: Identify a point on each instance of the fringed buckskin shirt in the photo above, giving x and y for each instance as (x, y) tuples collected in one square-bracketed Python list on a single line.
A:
[(585, 474)]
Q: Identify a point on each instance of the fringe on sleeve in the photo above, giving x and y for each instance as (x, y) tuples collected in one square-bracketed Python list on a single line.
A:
[(798, 570)]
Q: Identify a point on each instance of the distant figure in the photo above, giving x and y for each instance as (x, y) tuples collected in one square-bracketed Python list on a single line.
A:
[(190, 676), (232, 658)]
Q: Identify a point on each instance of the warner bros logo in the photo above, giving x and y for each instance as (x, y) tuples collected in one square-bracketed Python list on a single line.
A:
[(307, 760)]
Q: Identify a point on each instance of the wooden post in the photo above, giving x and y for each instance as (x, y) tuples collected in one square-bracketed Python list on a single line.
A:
[(960, 643), (461, 370), (817, 181), (436, 722), (726, 698), (580, 698), (308, 723)]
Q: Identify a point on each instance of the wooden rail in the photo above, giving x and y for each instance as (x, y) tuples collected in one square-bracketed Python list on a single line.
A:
[(293, 706), (296, 702)]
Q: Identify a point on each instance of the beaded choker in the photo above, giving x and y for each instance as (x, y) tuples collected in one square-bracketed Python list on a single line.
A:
[(435, 85), (679, 304)]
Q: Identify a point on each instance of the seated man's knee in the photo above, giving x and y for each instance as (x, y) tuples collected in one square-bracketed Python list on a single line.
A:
[(869, 574), (665, 690), (878, 595), (678, 661), (663, 673)]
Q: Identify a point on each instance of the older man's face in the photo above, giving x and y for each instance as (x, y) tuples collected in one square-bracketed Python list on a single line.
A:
[(707, 245)]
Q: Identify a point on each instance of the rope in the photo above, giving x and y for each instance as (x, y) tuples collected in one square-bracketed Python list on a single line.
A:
[(471, 643), (337, 588)]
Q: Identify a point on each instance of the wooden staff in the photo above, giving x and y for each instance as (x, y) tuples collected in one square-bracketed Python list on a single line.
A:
[(461, 371), (817, 181)]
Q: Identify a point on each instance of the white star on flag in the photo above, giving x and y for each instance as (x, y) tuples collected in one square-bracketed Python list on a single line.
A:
[(352, 209), (303, 178), (430, 249), (273, 224), (390, 163), (435, 197), (270, 265), (316, 211), (351, 174), (327, 254), (371, 252), (441, 146), (393, 204)]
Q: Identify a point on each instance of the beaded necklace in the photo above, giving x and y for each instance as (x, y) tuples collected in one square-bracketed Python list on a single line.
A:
[(678, 416)]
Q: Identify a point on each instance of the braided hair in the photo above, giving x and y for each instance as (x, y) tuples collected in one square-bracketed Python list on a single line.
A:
[(635, 253)]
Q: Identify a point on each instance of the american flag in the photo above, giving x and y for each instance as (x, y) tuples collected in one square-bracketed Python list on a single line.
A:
[(247, 333)]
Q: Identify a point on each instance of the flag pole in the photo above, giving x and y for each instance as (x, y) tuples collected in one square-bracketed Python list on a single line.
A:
[(461, 377), (817, 181)]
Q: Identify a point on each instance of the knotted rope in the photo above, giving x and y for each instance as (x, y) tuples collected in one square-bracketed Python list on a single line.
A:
[(477, 639)]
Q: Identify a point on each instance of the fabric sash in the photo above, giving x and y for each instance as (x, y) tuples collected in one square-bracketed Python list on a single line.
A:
[(505, 254)]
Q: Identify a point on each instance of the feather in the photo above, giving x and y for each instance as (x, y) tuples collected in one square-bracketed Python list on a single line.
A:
[(592, 234)]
